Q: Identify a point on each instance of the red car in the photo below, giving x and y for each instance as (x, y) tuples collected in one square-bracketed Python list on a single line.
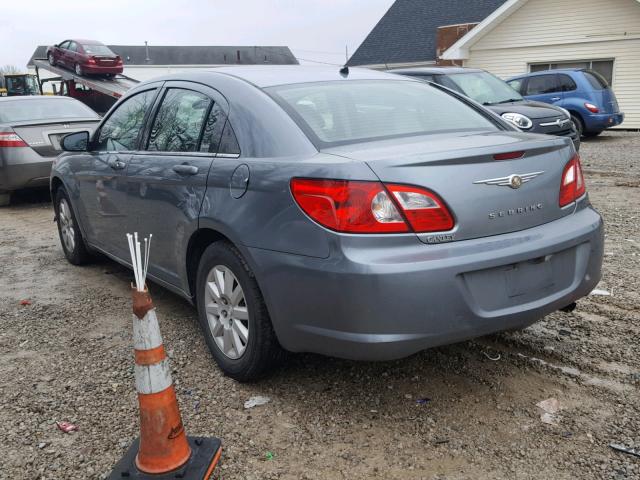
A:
[(85, 57)]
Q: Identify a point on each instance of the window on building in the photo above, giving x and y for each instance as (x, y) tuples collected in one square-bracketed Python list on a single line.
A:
[(603, 67)]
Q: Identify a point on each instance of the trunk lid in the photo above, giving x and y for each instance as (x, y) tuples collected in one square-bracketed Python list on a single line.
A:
[(607, 100), (462, 170), (45, 137), (105, 60)]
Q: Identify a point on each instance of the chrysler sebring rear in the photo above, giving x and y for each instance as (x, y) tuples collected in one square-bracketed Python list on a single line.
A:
[(355, 215)]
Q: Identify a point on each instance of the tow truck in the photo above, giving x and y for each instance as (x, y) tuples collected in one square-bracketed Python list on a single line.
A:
[(96, 92)]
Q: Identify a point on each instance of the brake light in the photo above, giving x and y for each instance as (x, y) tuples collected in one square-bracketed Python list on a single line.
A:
[(371, 207), (91, 60), (591, 107), (508, 155), (118, 61), (11, 139), (572, 186)]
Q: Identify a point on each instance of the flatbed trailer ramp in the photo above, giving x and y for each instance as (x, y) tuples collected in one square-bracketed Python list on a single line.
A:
[(115, 86)]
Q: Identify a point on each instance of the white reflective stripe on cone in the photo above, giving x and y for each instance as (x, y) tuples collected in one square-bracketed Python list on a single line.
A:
[(153, 378), (146, 332)]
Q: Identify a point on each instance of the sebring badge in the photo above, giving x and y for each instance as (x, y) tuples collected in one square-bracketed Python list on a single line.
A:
[(514, 181)]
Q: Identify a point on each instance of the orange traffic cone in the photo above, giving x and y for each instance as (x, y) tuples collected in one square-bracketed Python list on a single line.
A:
[(163, 449)]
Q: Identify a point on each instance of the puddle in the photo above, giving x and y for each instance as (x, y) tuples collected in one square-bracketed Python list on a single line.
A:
[(585, 378)]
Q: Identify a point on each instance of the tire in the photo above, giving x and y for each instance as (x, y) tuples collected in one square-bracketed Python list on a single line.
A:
[(71, 239), (221, 315), (78, 69), (577, 122), (52, 60), (592, 134)]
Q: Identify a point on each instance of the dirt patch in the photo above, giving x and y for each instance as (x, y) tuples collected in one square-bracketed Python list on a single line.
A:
[(445, 413)]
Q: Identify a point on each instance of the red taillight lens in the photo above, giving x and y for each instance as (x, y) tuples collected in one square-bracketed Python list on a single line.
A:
[(91, 60), (11, 139), (591, 107), (572, 186), (508, 155), (368, 207), (118, 61)]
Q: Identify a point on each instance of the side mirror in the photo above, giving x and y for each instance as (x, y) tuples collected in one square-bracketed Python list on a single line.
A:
[(75, 142)]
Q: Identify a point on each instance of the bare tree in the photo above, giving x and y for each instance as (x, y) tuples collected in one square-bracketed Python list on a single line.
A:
[(9, 70)]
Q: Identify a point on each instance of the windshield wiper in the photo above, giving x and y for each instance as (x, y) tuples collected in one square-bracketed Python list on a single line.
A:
[(508, 101)]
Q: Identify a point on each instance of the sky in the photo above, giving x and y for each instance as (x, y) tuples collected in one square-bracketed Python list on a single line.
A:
[(316, 30)]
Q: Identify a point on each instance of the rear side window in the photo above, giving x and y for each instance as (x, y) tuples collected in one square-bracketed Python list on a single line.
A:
[(229, 142), (213, 129), (179, 121), (334, 113), (542, 84), (121, 130), (566, 83), (596, 80)]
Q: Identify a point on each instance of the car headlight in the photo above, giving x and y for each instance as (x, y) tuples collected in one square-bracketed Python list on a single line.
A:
[(518, 120)]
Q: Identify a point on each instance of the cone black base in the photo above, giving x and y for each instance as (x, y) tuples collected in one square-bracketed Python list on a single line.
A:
[(205, 454)]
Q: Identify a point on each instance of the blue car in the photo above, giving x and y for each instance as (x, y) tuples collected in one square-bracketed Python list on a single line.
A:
[(584, 93)]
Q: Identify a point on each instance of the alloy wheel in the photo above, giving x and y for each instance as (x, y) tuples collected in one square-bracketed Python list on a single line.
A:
[(227, 311), (67, 228)]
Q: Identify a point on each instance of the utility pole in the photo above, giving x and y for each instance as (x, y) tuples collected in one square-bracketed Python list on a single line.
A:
[(346, 54)]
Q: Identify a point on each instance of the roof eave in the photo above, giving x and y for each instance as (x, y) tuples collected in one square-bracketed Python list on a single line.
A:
[(460, 49)]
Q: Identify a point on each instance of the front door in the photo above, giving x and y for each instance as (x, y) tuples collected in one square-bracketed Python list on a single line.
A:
[(544, 88), (102, 177), (168, 177)]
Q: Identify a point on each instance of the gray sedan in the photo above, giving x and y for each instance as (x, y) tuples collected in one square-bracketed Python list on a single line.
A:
[(353, 213), (30, 133)]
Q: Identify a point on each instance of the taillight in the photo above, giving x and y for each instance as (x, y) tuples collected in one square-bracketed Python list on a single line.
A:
[(572, 186), (118, 61), (11, 139), (91, 60), (591, 107), (508, 155), (370, 207)]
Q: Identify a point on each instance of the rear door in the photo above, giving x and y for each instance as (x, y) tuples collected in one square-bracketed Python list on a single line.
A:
[(168, 178), (101, 175), (568, 87), (544, 88)]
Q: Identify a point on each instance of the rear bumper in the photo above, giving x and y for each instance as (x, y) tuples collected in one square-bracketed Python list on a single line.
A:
[(23, 168), (601, 121), (98, 70), (377, 303)]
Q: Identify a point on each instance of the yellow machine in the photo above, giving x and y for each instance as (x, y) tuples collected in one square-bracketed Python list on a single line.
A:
[(13, 84)]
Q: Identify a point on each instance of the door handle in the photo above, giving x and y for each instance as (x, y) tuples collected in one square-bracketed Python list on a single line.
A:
[(116, 164), (555, 99), (185, 169)]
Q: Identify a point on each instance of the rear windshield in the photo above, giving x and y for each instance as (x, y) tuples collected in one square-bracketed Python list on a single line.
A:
[(335, 113), (43, 109), (97, 50), (596, 80)]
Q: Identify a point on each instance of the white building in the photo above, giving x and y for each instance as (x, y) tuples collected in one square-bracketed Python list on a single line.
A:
[(529, 35)]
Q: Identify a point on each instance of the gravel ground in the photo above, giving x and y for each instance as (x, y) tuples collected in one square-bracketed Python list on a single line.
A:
[(68, 356)]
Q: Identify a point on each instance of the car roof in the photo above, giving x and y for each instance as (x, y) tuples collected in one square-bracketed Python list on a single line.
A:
[(549, 72), (84, 41), (434, 70), (264, 76)]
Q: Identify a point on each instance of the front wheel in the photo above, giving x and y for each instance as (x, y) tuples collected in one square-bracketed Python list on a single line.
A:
[(233, 315), (577, 122), (70, 236)]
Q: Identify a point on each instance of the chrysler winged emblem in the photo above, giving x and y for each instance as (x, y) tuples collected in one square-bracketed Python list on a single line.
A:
[(514, 181)]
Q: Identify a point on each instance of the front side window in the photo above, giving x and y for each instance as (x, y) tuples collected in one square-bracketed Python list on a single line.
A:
[(121, 130), (482, 87), (542, 84), (64, 45), (334, 113), (178, 123)]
